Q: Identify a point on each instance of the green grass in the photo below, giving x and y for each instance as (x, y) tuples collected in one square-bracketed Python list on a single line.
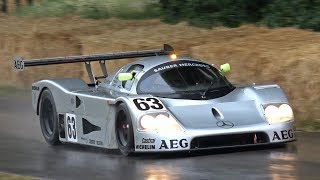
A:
[(8, 176), (10, 90), (95, 9), (309, 125)]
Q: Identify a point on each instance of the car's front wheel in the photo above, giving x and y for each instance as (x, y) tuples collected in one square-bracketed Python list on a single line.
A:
[(124, 130), (49, 118)]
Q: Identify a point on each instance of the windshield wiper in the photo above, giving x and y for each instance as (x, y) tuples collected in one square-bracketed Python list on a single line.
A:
[(203, 95)]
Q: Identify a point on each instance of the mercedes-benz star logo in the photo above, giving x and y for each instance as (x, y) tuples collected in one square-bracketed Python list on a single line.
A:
[(225, 124)]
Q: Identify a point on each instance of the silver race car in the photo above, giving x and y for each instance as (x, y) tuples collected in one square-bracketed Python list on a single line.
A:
[(160, 103)]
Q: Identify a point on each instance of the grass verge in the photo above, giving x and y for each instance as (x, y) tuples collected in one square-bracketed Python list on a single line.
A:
[(13, 91), (309, 126), (8, 176), (95, 9)]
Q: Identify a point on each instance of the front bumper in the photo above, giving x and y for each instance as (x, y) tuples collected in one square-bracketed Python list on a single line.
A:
[(194, 139)]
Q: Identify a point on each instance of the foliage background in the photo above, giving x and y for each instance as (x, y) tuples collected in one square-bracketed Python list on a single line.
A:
[(209, 13), (232, 13)]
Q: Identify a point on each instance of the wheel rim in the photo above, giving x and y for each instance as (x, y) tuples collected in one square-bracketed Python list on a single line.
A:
[(47, 116), (123, 128)]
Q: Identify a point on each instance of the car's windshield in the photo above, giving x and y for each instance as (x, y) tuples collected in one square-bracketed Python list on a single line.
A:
[(184, 79)]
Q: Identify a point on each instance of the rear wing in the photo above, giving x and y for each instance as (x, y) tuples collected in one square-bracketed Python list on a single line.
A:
[(20, 64)]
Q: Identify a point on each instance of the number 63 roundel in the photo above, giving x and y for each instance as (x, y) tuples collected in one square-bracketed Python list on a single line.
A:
[(145, 104), (71, 127)]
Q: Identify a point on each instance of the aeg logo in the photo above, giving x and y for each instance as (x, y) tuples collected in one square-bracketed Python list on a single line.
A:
[(174, 144), (284, 134)]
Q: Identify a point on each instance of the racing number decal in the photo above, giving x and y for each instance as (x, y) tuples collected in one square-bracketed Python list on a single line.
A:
[(71, 127), (155, 103), (145, 104)]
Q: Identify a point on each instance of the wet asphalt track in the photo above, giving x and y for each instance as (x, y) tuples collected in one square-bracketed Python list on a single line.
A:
[(23, 151)]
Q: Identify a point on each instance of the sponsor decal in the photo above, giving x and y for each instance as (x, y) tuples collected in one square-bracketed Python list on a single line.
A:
[(18, 63), (193, 64), (147, 143), (225, 124), (282, 135), (174, 144), (84, 139), (99, 143), (170, 66), (91, 141), (145, 146), (148, 140), (165, 67), (35, 88)]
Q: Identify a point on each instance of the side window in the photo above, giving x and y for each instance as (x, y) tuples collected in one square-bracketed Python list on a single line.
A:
[(134, 70)]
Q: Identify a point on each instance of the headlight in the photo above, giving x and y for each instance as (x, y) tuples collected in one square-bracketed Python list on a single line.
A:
[(159, 122), (278, 114)]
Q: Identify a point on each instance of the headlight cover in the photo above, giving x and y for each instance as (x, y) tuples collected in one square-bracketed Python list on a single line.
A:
[(159, 122), (278, 113)]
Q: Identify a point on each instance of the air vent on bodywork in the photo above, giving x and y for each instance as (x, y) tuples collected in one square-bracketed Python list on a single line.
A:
[(217, 114), (62, 133), (229, 140), (78, 101), (88, 127)]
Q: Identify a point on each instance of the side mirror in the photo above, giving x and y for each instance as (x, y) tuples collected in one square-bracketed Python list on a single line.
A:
[(125, 76), (224, 68)]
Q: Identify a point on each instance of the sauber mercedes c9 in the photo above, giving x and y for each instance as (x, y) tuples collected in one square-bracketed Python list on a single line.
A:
[(156, 104)]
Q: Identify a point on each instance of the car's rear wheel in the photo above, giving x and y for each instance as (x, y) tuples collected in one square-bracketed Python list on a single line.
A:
[(49, 118), (124, 130)]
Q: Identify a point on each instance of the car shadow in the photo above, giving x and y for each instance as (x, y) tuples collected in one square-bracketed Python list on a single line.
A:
[(229, 150), (181, 154)]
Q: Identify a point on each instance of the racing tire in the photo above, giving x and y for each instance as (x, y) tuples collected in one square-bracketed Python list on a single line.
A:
[(124, 130), (49, 118)]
